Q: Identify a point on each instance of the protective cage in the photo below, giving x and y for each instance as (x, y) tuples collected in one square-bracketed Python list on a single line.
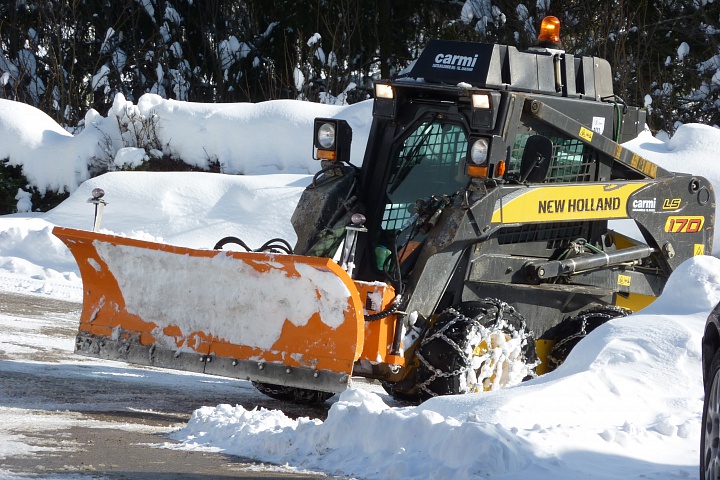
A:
[(571, 160)]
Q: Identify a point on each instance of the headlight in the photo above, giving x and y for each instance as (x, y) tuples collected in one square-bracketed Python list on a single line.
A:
[(331, 139), (384, 91), (479, 151), (326, 135), (481, 100)]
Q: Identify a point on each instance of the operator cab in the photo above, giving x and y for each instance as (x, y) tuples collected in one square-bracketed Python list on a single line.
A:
[(455, 122)]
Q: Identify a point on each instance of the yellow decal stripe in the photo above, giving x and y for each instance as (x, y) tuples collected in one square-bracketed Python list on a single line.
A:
[(643, 165), (586, 134), (561, 203), (618, 152)]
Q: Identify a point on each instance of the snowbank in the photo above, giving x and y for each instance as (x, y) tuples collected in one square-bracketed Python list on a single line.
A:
[(264, 138), (242, 138), (51, 158), (627, 404), (267, 137), (693, 149), (194, 210)]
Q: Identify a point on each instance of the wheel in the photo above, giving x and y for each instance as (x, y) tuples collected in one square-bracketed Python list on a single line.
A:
[(396, 391), (475, 346), (301, 396), (570, 331), (710, 439)]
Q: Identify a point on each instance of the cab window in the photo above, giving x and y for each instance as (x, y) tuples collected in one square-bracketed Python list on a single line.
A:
[(430, 162)]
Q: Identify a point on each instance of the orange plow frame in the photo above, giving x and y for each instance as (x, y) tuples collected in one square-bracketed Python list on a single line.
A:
[(123, 318)]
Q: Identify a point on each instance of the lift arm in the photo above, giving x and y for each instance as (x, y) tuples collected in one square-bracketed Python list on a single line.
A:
[(577, 130)]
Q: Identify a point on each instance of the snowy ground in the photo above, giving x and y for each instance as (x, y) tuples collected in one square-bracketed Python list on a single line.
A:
[(64, 416), (627, 404)]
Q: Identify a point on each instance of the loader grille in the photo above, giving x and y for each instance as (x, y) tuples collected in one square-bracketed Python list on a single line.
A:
[(570, 162), (555, 234)]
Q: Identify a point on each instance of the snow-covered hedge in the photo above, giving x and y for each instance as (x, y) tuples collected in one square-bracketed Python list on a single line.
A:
[(234, 138)]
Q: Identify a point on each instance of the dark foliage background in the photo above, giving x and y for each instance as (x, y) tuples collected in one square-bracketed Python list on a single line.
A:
[(66, 56)]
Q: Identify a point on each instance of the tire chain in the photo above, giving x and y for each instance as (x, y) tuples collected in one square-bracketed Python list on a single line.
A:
[(473, 323), (607, 312), (267, 387)]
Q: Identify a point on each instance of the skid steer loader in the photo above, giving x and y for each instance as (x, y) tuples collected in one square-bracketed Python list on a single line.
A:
[(470, 251)]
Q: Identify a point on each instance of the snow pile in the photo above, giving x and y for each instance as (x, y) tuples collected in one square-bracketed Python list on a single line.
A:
[(632, 394), (245, 138), (194, 210), (267, 137), (692, 149), (362, 436), (51, 158), (33, 260)]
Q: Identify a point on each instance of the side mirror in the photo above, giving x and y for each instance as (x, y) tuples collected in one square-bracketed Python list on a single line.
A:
[(536, 159)]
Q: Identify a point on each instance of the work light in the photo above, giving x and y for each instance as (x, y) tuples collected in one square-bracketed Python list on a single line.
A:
[(326, 135), (331, 139), (477, 157), (385, 103), (479, 151)]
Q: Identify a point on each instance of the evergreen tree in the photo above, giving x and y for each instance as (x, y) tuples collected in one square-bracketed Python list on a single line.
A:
[(66, 56)]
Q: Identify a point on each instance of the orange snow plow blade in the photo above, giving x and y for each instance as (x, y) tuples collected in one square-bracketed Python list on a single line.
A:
[(282, 319)]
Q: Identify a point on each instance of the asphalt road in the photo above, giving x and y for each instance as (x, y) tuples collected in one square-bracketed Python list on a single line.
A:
[(80, 418)]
